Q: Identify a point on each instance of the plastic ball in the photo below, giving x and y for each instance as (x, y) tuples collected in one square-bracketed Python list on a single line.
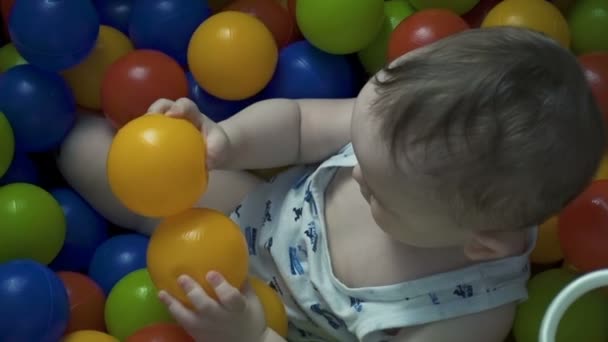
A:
[(34, 301), (304, 71), (588, 20), (89, 336), (423, 28), (85, 78), (583, 228), (475, 16), (86, 230), (134, 81), (87, 302), (585, 320), (32, 225), (39, 105), (602, 171), (215, 108), (548, 249), (7, 145), (21, 170), (161, 332), (232, 55), (276, 18), (539, 15), (169, 174), (117, 257), (195, 242), (274, 309), (134, 304), (115, 13), (53, 35), (166, 25), (10, 57), (595, 66), (340, 26), (456, 6), (373, 57)]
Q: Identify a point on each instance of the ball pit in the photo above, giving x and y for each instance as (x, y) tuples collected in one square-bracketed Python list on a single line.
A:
[(39, 106), (166, 25), (195, 242), (7, 145), (53, 35), (85, 78), (134, 81), (32, 224), (133, 304), (34, 301), (169, 173), (87, 302), (243, 60)]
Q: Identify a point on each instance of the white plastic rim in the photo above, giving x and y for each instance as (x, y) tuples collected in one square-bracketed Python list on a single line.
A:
[(565, 298)]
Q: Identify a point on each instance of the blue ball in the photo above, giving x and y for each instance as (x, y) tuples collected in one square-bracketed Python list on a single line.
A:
[(39, 106), (117, 257), (115, 13), (35, 304), (166, 25), (303, 71), (21, 170), (86, 230), (54, 35), (215, 108)]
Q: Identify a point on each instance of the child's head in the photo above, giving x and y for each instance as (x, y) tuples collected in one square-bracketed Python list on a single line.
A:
[(488, 130)]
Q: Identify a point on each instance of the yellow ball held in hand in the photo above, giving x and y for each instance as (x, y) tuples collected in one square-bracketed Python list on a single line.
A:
[(195, 242), (274, 309), (156, 165)]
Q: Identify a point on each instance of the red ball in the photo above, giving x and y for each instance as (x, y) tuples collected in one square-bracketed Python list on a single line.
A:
[(423, 28), (161, 332), (475, 16), (134, 81), (583, 229), (276, 18), (87, 302), (595, 66)]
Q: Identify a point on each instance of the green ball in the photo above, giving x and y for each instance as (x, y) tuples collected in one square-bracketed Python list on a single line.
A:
[(585, 320), (7, 144), (588, 22), (32, 224), (133, 304), (373, 57), (10, 57), (458, 6), (340, 26)]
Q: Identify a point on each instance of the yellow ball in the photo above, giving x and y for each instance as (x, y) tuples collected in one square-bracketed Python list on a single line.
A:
[(89, 336), (195, 242), (156, 165), (539, 15), (548, 249), (274, 309), (85, 78), (602, 171), (232, 55)]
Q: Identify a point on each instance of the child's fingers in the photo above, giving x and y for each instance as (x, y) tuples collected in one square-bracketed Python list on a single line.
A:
[(202, 303), (181, 314), (229, 296), (160, 106), (187, 109)]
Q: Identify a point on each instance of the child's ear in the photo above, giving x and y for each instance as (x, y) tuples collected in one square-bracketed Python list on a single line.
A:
[(488, 245)]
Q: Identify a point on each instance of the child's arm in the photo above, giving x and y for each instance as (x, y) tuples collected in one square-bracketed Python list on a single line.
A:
[(280, 132)]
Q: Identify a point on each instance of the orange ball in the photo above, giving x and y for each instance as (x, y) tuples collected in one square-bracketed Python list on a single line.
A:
[(87, 302), (548, 249), (134, 81), (196, 242), (161, 332), (274, 309)]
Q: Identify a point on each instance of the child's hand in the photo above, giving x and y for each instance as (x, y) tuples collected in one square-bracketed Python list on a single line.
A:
[(237, 317), (217, 141)]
